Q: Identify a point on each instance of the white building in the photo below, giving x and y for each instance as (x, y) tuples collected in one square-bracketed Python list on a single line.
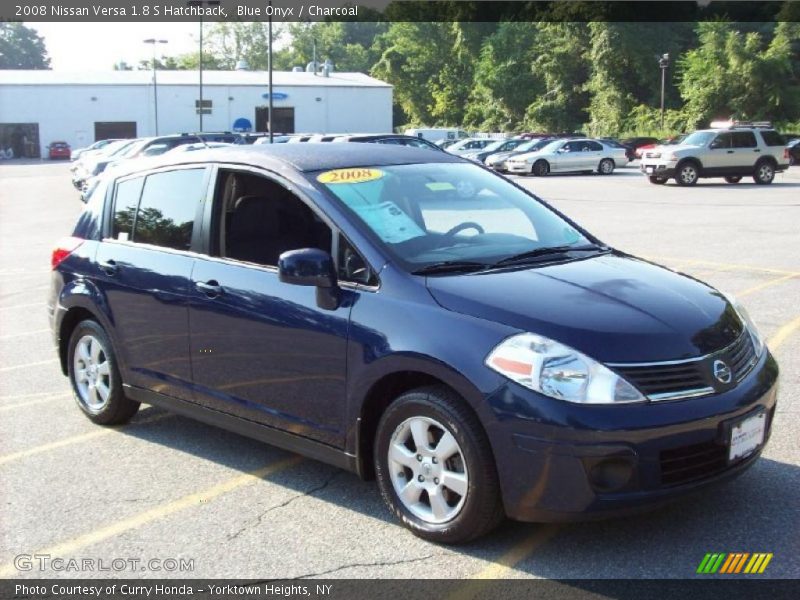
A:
[(38, 107)]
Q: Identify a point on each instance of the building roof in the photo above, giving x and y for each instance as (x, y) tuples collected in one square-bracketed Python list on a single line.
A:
[(210, 78)]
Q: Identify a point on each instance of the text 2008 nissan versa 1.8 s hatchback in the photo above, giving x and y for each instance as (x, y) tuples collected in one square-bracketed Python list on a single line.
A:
[(409, 315)]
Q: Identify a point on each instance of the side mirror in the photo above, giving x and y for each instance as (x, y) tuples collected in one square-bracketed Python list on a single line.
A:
[(311, 267)]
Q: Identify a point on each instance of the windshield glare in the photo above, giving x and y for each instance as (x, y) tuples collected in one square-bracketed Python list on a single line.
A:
[(698, 138), (426, 214)]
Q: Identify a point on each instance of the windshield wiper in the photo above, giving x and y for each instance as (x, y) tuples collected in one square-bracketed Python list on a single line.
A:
[(546, 251), (449, 266)]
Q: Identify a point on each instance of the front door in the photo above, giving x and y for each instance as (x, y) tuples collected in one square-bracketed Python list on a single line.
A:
[(264, 350)]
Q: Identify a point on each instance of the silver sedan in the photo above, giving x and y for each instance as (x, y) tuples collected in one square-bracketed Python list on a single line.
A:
[(569, 156)]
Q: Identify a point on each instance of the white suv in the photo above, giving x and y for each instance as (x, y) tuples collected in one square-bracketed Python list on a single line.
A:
[(731, 150)]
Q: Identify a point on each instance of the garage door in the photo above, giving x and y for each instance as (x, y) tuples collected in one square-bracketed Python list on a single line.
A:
[(108, 130)]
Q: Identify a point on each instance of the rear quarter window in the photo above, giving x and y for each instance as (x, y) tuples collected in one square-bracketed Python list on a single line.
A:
[(772, 138)]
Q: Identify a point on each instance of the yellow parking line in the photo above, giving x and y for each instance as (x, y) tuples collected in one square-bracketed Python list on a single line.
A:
[(731, 266), (783, 334), (75, 439), (158, 512), (16, 335), (6, 407), (761, 286), (26, 365), (500, 568)]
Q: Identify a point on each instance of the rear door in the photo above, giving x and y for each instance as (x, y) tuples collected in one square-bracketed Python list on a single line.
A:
[(145, 262)]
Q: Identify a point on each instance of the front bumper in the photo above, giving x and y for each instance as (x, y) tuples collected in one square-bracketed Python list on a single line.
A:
[(656, 169), (565, 462), (518, 167)]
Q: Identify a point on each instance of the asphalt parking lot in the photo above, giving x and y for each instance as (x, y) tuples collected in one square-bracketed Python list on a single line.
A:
[(166, 487)]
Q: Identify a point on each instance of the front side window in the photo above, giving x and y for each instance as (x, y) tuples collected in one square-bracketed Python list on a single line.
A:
[(168, 208), (722, 141), (428, 213)]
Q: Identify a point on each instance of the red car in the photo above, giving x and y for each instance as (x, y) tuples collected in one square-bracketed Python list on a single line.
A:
[(59, 150)]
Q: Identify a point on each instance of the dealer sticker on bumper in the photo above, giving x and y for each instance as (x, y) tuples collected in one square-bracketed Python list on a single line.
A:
[(747, 436)]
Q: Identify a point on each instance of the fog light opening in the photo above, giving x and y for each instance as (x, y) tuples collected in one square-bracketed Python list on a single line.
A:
[(611, 474)]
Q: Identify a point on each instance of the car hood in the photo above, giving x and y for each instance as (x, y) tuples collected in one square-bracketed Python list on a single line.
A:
[(525, 155), (612, 307)]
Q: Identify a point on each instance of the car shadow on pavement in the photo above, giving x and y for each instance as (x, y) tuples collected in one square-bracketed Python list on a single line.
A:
[(757, 512)]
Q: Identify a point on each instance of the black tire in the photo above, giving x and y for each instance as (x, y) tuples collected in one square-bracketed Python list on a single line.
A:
[(764, 173), (687, 173), (540, 168), (733, 179), (482, 508), (657, 180), (116, 408), (606, 167)]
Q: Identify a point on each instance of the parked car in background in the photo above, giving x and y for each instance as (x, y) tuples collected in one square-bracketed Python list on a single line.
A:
[(615, 143), (199, 146), (390, 139), (444, 144), (493, 148), (412, 317), (276, 139), (733, 149), (793, 148), (497, 161), (435, 134), (99, 145), (59, 151), (569, 156), (670, 141), (638, 142), (469, 145)]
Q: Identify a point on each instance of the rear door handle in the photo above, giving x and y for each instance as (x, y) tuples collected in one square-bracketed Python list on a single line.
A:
[(757, 150), (210, 288), (109, 267), (730, 151)]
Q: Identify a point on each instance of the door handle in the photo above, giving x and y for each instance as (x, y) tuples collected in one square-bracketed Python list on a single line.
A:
[(730, 151), (757, 150), (109, 267), (210, 288)]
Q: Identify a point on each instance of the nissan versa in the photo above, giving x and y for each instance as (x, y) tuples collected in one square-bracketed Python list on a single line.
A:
[(409, 315)]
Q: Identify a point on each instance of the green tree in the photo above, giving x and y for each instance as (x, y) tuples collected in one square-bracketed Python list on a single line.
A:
[(21, 48)]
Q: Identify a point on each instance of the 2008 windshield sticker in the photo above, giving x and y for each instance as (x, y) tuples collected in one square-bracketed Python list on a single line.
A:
[(357, 175)]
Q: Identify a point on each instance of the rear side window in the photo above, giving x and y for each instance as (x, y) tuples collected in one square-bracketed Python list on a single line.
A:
[(168, 207), (125, 204), (594, 146), (744, 139), (772, 138)]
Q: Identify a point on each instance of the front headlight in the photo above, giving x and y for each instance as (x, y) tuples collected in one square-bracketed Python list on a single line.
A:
[(759, 343), (559, 371)]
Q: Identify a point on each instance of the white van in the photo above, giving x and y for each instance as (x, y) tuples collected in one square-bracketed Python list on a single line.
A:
[(438, 133)]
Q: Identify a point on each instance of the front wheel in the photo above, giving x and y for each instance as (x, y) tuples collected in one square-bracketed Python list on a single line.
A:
[(733, 179), (606, 167), (540, 168), (435, 468), (687, 174), (95, 379), (764, 174)]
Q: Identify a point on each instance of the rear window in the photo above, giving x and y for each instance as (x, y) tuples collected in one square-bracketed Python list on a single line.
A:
[(772, 138)]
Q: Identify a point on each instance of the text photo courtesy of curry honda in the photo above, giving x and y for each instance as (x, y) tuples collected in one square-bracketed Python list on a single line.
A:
[(474, 295)]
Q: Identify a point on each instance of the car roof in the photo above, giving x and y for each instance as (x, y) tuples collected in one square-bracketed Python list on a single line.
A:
[(311, 156)]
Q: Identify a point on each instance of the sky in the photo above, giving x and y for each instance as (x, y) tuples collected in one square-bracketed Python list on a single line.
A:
[(98, 46)]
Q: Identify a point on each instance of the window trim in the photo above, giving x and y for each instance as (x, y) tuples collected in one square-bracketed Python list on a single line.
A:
[(204, 247)]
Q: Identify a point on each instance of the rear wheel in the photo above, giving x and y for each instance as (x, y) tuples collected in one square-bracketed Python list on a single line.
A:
[(540, 168), (765, 173), (657, 180), (435, 468), (606, 166), (95, 379), (687, 174), (735, 179)]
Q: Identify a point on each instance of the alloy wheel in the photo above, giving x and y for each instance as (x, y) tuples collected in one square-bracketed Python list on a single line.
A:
[(92, 373), (428, 470)]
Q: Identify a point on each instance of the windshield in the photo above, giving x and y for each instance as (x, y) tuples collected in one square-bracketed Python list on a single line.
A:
[(495, 145), (431, 213), (698, 138)]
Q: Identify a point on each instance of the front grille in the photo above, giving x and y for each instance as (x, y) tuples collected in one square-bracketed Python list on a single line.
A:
[(657, 380), (672, 380), (689, 463)]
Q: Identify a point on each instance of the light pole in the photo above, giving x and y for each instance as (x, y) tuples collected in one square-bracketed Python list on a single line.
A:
[(201, 3), (269, 68), (663, 63), (155, 41)]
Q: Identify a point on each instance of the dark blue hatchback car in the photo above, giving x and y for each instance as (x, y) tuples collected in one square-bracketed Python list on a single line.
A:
[(408, 315)]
